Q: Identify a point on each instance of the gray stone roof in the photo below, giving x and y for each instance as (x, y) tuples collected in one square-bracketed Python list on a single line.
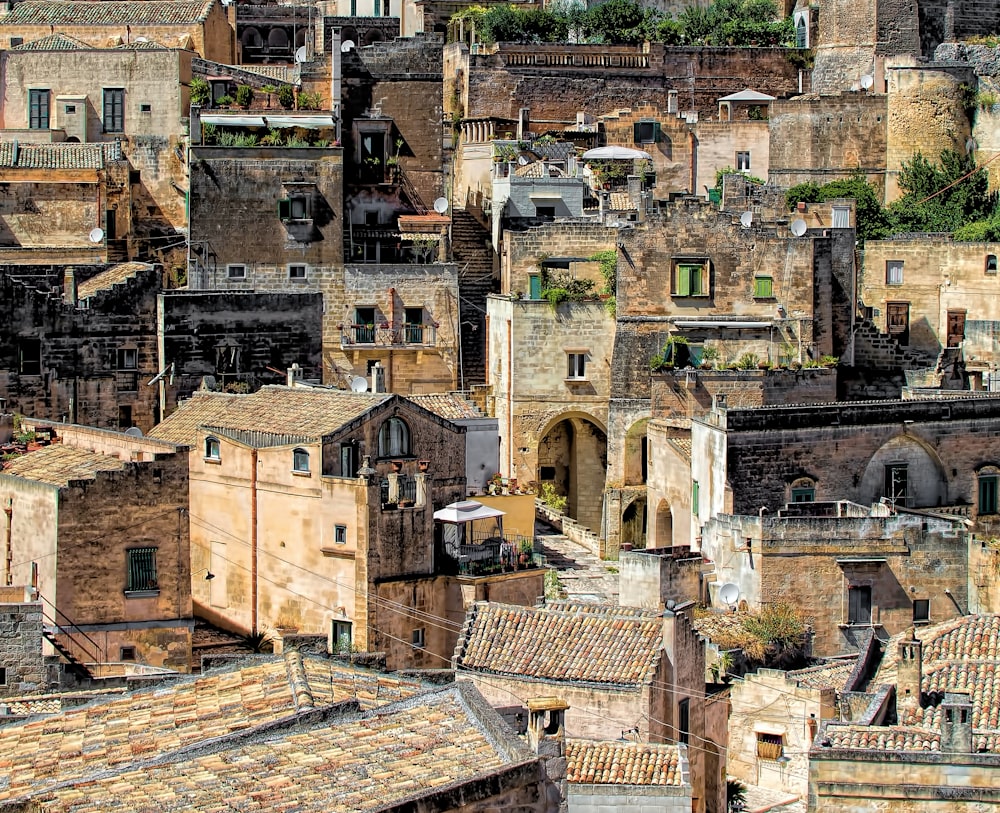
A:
[(109, 12), (53, 42), (58, 156)]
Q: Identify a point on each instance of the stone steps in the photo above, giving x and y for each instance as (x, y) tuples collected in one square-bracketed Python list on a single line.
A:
[(472, 251)]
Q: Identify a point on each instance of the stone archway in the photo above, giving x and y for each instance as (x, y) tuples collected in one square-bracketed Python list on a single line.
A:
[(634, 524), (573, 456), (907, 471), (636, 454), (664, 525)]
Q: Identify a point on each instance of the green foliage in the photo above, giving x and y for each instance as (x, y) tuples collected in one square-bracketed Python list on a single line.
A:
[(244, 95), (609, 269), (986, 100), (873, 221), (673, 354), (620, 22), (980, 231), (829, 361), (209, 133), (748, 361), (561, 287), (269, 89), (227, 139), (224, 101), (553, 499), (736, 794), (257, 642), (553, 586), (286, 96), (200, 91), (310, 101)]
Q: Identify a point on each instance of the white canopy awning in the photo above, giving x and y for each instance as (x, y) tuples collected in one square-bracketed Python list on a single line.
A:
[(614, 154), (232, 121), (308, 122), (458, 513)]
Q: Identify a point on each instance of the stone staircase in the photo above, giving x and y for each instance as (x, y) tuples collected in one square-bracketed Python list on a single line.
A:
[(74, 664), (880, 351), (472, 250)]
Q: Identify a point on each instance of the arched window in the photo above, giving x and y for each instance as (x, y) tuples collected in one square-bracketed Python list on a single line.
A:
[(803, 490), (394, 438), (213, 450), (300, 461)]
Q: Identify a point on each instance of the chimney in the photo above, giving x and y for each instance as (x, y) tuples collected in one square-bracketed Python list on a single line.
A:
[(378, 378), (69, 285), (547, 738), (293, 375), (908, 675), (956, 723)]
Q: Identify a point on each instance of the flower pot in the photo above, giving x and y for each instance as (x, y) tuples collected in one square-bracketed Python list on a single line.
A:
[(422, 465), (397, 465)]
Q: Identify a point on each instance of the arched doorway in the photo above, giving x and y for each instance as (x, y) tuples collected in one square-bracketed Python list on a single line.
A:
[(636, 456), (573, 456), (664, 525), (634, 524)]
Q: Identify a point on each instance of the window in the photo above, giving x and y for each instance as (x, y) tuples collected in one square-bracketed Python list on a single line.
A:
[(300, 461), (3, 675), (841, 217), (770, 746), (690, 279), (547, 473), (991, 263), (417, 638), (69, 109), (646, 132), (988, 493), (534, 286), (385, 10), (896, 483), (576, 366), (127, 359), (743, 161), (340, 534), (694, 498), (801, 32), (134, 176), (297, 272), (394, 438), (763, 288), (893, 272), (364, 325), (145, 108), (15, 41), (114, 110), (38, 109), (29, 357), (378, 8), (236, 271), (683, 721), (126, 653), (354, 8), (547, 212), (342, 635), (348, 460), (859, 604), (142, 570), (413, 325), (956, 328), (213, 449), (803, 495), (921, 610), (294, 207), (897, 317)]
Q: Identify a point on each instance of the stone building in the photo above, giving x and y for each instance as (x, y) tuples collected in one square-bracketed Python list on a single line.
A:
[(928, 737), (22, 665), (870, 570), (366, 736), (202, 26), (620, 670), (110, 506), (313, 509)]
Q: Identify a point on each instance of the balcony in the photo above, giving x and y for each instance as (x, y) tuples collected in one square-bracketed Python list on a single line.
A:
[(386, 335), (485, 555)]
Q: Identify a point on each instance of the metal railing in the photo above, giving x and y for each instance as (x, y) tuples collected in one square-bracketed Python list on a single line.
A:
[(492, 554), (408, 333), (95, 652)]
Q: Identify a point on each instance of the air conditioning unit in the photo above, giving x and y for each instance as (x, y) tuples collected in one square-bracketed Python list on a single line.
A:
[(71, 117)]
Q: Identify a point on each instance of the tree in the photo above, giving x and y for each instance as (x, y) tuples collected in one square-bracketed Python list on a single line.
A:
[(620, 22), (873, 221)]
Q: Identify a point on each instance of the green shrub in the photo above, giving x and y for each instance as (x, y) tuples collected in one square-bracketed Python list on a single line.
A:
[(310, 101), (224, 101), (748, 361), (286, 96), (553, 499), (244, 95), (200, 91)]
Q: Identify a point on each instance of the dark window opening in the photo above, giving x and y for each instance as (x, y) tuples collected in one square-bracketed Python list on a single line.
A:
[(646, 132), (547, 212), (413, 326), (342, 637), (921, 609), (114, 110), (145, 108), (29, 357), (126, 653), (124, 416), (134, 176), (803, 495), (770, 746), (859, 604), (991, 263), (300, 461), (683, 721), (988, 491), (340, 534), (38, 109)]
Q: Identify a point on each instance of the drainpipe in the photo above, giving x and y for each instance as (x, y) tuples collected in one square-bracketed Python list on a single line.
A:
[(253, 541), (9, 511)]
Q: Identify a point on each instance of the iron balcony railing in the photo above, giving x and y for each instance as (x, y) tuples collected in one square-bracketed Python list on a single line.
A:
[(423, 335)]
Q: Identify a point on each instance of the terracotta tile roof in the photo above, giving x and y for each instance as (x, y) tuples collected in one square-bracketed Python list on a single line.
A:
[(53, 42), (538, 169), (623, 763), (110, 735), (113, 275), (309, 413), (447, 405), (682, 446), (829, 675), (60, 155), (595, 644), (882, 738), (108, 12), (57, 465)]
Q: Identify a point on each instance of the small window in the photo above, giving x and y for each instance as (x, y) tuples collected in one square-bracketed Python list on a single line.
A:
[(743, 161), (695, 498), (378, 8), (371, 217), (15, 41), (770, 746), (145, 108), (142, 570), (38, 109), (236, 271), (340, 534), (576, 364), (417, 638), (801, 32), (763, 288), (547, 212), (683, 721), (394, 438), (126, 653), (893, 272), (859, 604), (803, 495), (534, 286), (921, 610), (127, 359), (991, 263), (114, 110), (300, 461), (348, 460), (342, 637), (69, 109), (413, 325), (294, 207), (988, 493), (134, 176), (213, 449), (646, 132), (690, 279), (3, 675), (29, 357), (297, 272), (547, 473), (841, 218)]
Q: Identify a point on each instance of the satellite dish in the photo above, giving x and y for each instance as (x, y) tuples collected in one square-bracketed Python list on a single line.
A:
[(441, 205), (96, 235), (346, 45), (134, 432), (798, 227), (729, 594), (867, 81), (359, 384), (142, 39), (300, 54), (746, 220)]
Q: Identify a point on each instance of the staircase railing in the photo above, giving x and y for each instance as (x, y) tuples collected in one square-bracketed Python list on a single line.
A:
[(411, 192), (95, 652)]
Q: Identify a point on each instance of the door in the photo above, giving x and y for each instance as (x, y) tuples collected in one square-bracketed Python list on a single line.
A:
[(956, 328), (898, 321)]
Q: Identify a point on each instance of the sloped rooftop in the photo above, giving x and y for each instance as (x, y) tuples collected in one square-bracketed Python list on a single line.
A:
[(57, 465), (623, 763), (108, 12), (53, 42), (450, 406), (60, 155), (568, 642)]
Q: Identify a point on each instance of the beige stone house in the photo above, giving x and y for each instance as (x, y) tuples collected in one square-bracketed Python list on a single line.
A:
[(313, 511), (97, 527)]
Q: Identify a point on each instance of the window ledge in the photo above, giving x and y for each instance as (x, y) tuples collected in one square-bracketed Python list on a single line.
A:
[(764, 298), (301, 473), (215, 461), (857, 625), (921, 623), (576, 380), (142, 593)]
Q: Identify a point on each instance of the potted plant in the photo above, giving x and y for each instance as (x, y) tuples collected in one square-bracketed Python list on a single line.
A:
[(422, 465), (269, 91), (709, 357), (525, 553), (397, 466)]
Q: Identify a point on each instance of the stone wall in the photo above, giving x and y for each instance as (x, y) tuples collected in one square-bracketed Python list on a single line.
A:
[(584, 798), (21, 649), (652, 577)]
